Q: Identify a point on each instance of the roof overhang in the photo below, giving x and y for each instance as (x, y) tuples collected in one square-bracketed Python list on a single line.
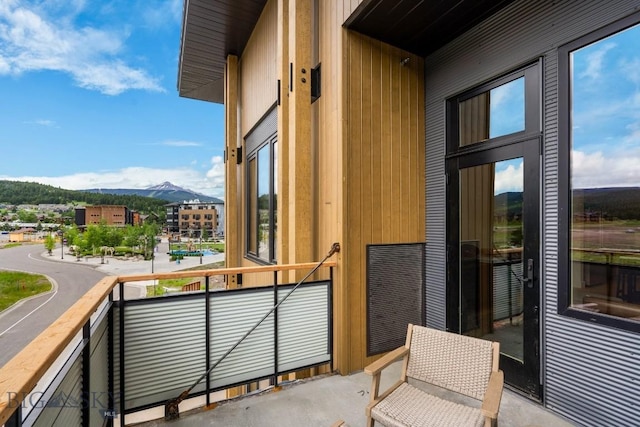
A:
[(420, 26), (212, 30)]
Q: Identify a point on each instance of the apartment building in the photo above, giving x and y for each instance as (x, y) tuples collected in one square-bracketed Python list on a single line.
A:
[(116, 215), (190, 218)]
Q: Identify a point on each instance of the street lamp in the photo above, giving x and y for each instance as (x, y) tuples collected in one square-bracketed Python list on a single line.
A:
[(61, 238), (153, 253)]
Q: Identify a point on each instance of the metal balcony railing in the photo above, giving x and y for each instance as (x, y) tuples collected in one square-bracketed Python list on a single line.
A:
[(108, 357)]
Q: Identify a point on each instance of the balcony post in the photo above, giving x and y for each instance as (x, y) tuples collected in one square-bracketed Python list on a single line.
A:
[(121, 304), (207, 338), (86, 374), (275, 329), (331, 318), (110, 357), (16, 419)]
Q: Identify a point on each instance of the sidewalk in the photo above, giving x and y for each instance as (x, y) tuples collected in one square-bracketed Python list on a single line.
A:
[(119, 266)]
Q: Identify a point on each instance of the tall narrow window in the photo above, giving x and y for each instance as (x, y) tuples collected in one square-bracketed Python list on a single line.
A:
[(261, 189), (601, 125), (261, 202)]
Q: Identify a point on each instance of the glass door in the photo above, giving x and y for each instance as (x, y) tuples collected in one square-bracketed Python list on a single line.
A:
[(493, 218), (493, 290)]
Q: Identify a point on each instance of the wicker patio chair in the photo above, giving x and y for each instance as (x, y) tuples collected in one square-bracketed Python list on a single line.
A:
[(462, 364)]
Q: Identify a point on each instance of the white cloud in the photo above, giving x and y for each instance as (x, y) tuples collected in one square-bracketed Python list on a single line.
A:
[(215, 175), (210, 183), (159, 14), (509, 179), (180, 144), (42, 122), (501, 94), (595, 170), (32, 40), (631, 69), (595, 60)]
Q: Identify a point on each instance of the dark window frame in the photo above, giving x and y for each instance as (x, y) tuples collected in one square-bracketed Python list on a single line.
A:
[(252, 201), (564, 177), (532, 123)]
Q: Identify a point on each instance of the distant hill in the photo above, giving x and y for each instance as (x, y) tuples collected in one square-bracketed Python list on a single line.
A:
[(612, 203), (31, 193), (509, 204), (165, 191), (621, 203)]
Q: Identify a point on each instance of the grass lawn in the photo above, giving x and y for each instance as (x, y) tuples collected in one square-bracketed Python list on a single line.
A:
[(15, 286), (177, 284), (10, 245)]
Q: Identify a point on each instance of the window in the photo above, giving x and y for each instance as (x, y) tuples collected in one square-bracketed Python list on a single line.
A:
[(600, 182), (262, 201), (500, 110), (495, 113)]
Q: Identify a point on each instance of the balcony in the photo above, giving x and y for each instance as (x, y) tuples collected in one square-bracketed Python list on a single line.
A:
[(109, 358), (110, 361)]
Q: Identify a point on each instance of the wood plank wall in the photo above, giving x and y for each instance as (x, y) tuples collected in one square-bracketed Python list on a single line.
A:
[(384, 164), (368, 180), (258, 92), (258, 69)]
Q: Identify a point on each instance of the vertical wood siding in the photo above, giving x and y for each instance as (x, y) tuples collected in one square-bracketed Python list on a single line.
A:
[(258, 69), (589, 372), (383, 164), (329, 160), (368, 151)]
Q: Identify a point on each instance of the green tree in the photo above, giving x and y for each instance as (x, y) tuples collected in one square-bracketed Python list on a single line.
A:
[(149, 233), (49, 243), (27, 216), (205, 234), (70, 233), (132, 236), (113, 237)]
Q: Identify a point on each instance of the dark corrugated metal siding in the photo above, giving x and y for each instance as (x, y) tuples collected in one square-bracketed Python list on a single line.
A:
[(435, 250), (590, 372)]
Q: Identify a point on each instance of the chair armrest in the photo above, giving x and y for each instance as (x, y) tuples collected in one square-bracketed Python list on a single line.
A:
[(377, 366), (493, 395)]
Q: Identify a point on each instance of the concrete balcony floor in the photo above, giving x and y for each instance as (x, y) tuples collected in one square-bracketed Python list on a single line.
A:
[(321, 401)]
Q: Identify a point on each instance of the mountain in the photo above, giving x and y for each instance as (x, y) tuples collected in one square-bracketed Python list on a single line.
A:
[(612, 203), (31, 193), (165, 191)]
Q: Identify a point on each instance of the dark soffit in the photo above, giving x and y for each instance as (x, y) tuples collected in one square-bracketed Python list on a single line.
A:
[(420, 27), (211, 30)]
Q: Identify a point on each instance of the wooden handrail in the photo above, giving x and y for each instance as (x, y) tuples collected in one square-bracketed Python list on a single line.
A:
[(20, 375), (223, 271)]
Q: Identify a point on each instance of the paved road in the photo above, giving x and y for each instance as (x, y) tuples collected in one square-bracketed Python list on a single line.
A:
[(20, 324), (71, 280)]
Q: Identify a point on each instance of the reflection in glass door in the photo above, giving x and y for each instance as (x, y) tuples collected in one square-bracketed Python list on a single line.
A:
[(493, 217), (491, 246), (493, 290)]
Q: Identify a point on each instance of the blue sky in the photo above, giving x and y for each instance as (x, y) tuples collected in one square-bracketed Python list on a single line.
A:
[(89, 98), (606, 112), (605, 102)]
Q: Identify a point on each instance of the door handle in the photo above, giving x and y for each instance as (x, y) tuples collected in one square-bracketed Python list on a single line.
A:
[(529, 279)]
